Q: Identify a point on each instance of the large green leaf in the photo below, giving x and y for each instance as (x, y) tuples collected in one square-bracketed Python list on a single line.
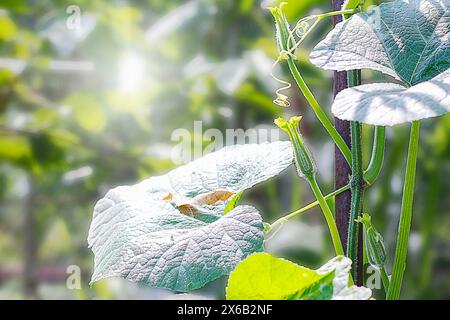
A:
[(163, 248), (138, 235), (407, 39), (264, 277), (388, 104)]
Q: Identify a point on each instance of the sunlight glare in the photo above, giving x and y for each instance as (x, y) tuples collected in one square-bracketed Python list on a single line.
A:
[(131, 72)]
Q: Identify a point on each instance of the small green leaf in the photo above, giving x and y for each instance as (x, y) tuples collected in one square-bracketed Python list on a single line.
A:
[(233, 203), (264, 277)]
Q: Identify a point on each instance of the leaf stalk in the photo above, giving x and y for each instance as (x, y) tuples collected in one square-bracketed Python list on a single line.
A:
[(404, 227)]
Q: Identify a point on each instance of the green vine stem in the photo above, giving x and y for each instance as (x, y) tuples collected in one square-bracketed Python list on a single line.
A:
[(321, 115), (278, 223), (335, 238), (356, 184), (306, 169), (370, 176), (384, 279), (357, 179), (356, 187), (376, 160), (404, 226), (284, 37)]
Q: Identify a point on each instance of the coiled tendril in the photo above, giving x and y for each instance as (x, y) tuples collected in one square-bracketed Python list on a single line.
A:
[(296, 37), (282, 100)]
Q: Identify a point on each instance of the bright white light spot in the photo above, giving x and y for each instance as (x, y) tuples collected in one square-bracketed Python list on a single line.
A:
[(76, 175), (131, 72)]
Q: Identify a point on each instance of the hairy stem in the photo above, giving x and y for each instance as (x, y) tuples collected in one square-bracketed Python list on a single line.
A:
[(328, 217), (356, 188), (320, 113), (370, 176), (376, 160), (404, 226), (357, 185), (384, 279)]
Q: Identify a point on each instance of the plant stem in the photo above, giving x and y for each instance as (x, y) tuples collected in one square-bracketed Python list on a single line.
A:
[(404, 227), (370, 176), (357, 186), (289, 216), (284, 33), (321, 115), (318, 18), (306, 169), (376, 160), (384, 279), (328, 217), (344, 12)]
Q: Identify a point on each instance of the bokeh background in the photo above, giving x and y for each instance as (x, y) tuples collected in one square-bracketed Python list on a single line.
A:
[(86, 109)]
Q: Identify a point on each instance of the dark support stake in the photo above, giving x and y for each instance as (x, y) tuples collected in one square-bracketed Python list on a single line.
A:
[(342, 170), (341, 173)]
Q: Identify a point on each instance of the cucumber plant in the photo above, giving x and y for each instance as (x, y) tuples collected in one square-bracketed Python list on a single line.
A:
[(186, 228)]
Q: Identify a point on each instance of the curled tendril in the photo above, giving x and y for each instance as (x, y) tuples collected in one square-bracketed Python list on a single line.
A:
[(282, 100), (296, 36), (301, 28), (300, 31)]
